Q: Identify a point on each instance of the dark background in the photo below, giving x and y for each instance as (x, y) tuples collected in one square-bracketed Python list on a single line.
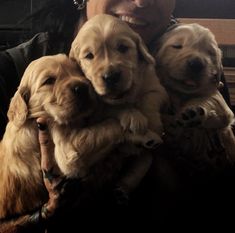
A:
[(205, 9), (11, 11)]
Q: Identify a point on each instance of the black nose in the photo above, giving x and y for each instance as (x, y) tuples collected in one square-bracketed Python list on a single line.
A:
[(80, 90), (196, 65), (112, 78)]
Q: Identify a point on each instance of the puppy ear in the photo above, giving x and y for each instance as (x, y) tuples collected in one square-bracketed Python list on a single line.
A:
[(18, 110), (74, 51), (71, 53), (143, 51), (220, 67)]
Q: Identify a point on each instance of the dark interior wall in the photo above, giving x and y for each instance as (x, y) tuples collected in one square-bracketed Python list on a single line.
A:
[(205, 9), (11, 11)]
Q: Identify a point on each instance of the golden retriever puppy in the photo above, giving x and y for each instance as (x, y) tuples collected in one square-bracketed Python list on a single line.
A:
[(116, 61), (198, 123), (53, 87)]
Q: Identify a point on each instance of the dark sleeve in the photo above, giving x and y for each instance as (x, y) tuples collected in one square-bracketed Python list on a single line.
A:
[(8, 84)]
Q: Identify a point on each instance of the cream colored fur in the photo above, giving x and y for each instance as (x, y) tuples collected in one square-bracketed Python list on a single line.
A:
[(189, 66), (107, 48)]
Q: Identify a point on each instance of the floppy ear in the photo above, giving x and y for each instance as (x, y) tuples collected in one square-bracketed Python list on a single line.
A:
[(74, 51), (143, 51), (220, 67), (18, 110), (71, 53)]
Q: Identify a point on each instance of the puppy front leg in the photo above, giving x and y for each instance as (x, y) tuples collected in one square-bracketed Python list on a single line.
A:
[(150, 105), (76, 154), (210, 112), (133, 120), (132, 177), (219, 112), (148, 140)]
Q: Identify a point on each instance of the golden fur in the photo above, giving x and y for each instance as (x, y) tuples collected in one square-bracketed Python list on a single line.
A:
[(116, 61), (53, 87), (106, 46), (189, 66)]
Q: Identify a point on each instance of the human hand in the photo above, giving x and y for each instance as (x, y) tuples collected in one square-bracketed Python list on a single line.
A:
[(61, 191), (51, 177)]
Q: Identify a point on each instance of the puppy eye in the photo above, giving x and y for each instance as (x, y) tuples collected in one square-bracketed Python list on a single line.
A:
[(89, 56), (122, 48), (177, 46), (49, 81)]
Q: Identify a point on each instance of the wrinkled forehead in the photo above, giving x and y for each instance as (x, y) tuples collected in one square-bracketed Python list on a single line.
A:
[(41, 68), (49, 67), (104, 27), (192, 35)]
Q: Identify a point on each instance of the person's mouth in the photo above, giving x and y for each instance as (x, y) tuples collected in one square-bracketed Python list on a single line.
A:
[(133, 20)]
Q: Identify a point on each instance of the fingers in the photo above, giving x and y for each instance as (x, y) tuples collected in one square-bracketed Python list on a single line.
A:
[(46, 145), (53, 180), (48, 165)]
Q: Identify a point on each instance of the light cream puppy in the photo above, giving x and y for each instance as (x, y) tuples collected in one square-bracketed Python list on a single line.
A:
[(122, 71), (53, 87), (189, 67)]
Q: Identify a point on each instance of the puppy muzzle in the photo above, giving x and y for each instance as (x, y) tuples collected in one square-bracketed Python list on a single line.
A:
[(81, 91), (112, 79), (195, 65)]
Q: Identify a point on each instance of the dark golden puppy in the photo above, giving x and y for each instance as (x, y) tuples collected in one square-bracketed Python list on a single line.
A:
[(53, 87)]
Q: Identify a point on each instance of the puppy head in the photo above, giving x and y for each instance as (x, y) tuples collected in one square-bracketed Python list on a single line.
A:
[(52, 86), (111, 55), (189, 60)]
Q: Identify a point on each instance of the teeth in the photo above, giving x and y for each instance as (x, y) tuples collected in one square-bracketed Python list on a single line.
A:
[(132, 20)]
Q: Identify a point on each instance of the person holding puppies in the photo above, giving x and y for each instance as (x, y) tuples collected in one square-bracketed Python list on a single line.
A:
[(58, 22)]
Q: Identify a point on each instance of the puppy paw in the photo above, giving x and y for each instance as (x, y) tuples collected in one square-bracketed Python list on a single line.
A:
[(133, 121), (191, 117), (149, 140)]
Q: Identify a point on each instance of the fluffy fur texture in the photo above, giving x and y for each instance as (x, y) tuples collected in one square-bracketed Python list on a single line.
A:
[(198, 123), (53, 87), (122, 71)]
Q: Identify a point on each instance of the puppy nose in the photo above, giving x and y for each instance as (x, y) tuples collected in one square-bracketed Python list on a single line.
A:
[(80, 90), (112, 78), (196, 65)]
